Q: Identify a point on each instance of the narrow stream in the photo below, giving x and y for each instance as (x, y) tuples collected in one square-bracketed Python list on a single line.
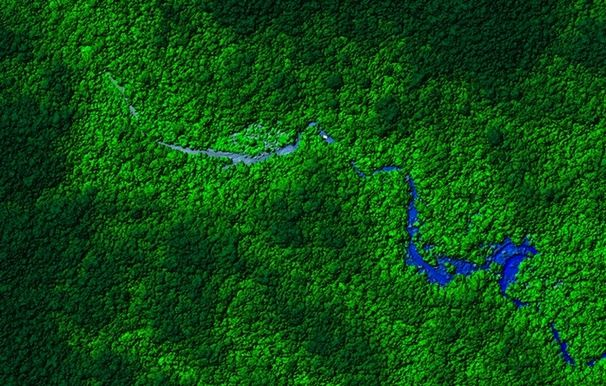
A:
[(563, 345), (245, 158), (131, 108)]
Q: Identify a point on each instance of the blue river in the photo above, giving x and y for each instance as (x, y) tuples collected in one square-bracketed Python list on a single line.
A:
[(506, 255)]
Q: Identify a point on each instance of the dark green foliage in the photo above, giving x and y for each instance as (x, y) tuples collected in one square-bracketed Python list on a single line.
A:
[(334, 81), (14, 45), (418, 79), (36, 129), (482, 41), (388, 109), (285, 230), (494, 136), (249, 16), (587, 43)]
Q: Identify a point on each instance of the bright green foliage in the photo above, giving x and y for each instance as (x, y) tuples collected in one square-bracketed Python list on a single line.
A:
[(125, 262)]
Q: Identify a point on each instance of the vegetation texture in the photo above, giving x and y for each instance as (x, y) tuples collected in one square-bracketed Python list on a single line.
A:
[(125, 262)]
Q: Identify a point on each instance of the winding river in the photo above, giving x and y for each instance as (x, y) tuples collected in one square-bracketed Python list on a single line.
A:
[(506, 255)]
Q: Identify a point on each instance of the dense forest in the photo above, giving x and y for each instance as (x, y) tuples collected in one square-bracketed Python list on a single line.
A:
[(126, 262)]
